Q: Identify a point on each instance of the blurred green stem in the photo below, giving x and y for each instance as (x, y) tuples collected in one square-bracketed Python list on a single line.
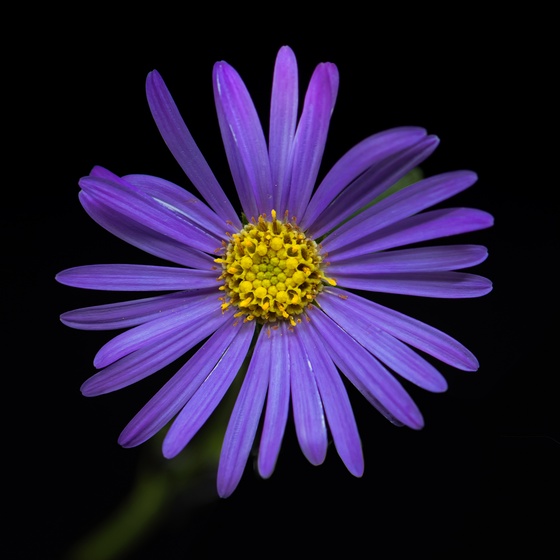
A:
[(158, 483)]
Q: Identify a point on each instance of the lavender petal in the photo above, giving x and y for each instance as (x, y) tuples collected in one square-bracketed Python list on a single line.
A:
[(135, 204), (334, 397), (138, 235), (180, 201), (283, 120), (244, 419), (424, 284), (421, 227), (311, 137), (136, 277), (412, 331), (186, 318), (211, 359), (370, 153), (244, 141), (278, 400), (365, 372), (400, 205), (126, 314), (150, 358), (183, 147), (209, 394), (420, 259), (309, 418), (396, 355)]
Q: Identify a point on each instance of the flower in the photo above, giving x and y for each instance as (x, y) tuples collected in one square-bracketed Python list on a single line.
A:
[(276, 285)]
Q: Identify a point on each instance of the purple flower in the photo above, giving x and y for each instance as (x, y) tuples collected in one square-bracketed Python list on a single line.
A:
[(275, 287)]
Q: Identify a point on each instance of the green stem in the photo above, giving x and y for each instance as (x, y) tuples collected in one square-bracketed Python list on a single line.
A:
[(158, 484)]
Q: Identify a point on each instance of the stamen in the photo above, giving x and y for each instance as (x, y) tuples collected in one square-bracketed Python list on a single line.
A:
[(271, 271)]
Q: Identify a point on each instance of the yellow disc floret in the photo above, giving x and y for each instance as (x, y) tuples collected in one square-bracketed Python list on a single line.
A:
[(271, 271)]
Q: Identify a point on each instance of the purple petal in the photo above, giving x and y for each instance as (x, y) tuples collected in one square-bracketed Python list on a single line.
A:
[(368, 154), (209, 394), (338, 409), (245, 417), (181, 202), (422, 227), (366, 373), (307, 407), (136, 277), (185, 318), (150, 358), (399, 205), (278, 400), (409, 330), (133, 203), (181, 144), (421, 259), (311, 137), (170, 196), (104, 173), (371, 184), (283, 120), (392, 352), (426, 284), (126, 314), (211, 359), (146, 239), (244, 141)]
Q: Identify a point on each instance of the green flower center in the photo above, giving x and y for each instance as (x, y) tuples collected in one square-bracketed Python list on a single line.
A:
[(271, 271)]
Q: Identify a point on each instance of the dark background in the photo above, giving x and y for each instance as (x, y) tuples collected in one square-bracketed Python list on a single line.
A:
[(482, 474)]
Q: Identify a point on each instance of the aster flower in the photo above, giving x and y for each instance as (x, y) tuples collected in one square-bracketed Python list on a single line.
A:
[(275, 286)]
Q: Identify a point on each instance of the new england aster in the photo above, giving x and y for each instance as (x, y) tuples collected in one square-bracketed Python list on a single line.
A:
[(275, 286)]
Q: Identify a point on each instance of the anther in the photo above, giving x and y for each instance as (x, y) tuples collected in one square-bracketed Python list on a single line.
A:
[(271, 271)]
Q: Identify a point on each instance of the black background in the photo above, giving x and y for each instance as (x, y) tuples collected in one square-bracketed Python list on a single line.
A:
[(483, 473)]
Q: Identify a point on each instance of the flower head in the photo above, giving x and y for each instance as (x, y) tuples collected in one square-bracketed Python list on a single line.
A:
[(274, 286)]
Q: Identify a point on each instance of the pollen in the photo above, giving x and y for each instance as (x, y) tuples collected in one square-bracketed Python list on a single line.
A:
[(271, 271)]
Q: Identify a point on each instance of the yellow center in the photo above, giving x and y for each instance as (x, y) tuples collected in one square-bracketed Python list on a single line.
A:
[(271, 271)]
